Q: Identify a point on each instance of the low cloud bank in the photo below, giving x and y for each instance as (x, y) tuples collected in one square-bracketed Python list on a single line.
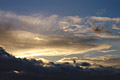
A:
[(12, 68)]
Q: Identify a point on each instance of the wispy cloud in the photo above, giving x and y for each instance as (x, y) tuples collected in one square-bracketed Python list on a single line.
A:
[(96, 29), (115, 27), (53, 35), (106, 51), (105, 19), (103, 35), (106, 60)]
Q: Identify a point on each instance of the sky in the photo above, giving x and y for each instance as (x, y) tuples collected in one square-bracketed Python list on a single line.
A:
[(59, 29), (82, 8)]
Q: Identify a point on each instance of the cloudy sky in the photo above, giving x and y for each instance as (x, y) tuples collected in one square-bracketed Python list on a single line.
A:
[(55, 30)]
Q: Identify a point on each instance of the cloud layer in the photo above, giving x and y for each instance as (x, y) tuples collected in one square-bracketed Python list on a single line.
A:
[(38, 35), (12, 68)]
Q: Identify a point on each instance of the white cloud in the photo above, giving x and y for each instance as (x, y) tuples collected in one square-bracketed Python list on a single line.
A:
[(53, 35), (77, 29), (106, 51), (104, 35), (115, 27), (49, 25), (105, 19), (63, 51)]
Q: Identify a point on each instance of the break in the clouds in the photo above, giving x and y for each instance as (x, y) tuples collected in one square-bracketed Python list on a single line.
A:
[(106, 60), (38, 35)]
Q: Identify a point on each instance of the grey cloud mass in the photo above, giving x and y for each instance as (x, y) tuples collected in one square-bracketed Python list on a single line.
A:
[(106, 60), (13, 68)]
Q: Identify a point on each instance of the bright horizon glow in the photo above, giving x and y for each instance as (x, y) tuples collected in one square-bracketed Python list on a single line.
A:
[(31, 55)]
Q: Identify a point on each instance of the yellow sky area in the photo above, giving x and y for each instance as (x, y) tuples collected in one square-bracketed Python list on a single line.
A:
[(32, 55), (28, 44), (56, 51)]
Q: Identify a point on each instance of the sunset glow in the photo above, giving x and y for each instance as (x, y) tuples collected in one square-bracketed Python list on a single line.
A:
[(59, 39)]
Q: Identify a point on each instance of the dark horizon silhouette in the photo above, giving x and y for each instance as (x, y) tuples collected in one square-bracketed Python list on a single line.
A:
[(12, 68)]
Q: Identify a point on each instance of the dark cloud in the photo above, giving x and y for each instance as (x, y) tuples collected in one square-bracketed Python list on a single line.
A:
[(85, 64), (98, 30), (106, 60), (12, 68)]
